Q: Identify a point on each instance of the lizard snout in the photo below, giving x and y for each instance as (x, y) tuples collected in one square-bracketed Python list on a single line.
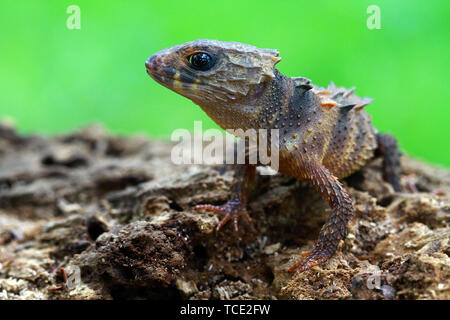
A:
[(160, 69), (153, 64)]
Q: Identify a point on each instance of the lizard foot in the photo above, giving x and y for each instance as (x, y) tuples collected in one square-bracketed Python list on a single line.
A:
[(232, 211), (310, 259)]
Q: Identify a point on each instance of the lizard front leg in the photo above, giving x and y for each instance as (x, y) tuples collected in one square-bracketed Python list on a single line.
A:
[(241, 187), (335, 228)]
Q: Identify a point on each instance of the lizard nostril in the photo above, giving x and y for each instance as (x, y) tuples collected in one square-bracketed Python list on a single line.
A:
[(149, 63), (152, 63)]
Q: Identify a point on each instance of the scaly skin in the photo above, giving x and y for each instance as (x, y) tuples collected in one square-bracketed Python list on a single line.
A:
[(325, 134)]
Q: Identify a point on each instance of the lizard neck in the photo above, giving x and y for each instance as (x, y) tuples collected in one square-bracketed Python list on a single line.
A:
[(275, 102), (258, 109)]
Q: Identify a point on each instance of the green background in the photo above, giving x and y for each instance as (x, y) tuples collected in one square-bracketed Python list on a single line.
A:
[(53, 79)]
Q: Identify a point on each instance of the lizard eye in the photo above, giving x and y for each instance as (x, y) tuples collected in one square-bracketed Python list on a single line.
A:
[(201, 61)]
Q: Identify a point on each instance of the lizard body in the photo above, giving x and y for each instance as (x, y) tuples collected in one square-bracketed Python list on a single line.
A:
[(324, 133)]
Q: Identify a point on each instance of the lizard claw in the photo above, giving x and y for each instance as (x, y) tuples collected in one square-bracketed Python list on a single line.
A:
[(232, 211), (310, 259)]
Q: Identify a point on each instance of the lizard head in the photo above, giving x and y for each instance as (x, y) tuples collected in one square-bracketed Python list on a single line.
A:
[(211, 72)]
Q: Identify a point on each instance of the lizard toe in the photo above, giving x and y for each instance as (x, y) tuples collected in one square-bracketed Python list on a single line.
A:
[(232, 210)]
